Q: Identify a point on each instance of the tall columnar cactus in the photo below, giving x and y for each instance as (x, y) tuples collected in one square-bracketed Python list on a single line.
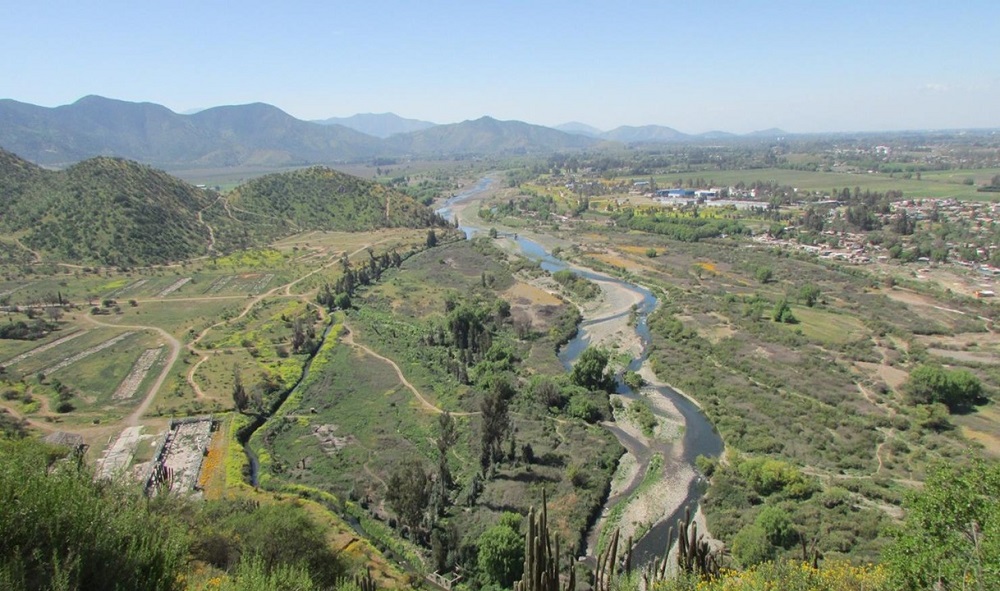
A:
[(607, 562), (694, 555), (365, 583), (541, 556)]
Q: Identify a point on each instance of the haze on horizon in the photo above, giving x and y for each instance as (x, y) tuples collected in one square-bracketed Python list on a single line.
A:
[(700, 66)]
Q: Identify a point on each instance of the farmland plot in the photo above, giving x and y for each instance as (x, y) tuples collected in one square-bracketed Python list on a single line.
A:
[(88, 352), (173, 287), (131, 383), (43, 348)]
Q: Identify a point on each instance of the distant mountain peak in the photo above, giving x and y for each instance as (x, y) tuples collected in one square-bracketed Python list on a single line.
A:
[(579, 129), (645, 133), (380, 125), (772, 132)]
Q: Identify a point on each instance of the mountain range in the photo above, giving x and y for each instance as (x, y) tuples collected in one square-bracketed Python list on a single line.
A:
[(264, 136), (246, 135)]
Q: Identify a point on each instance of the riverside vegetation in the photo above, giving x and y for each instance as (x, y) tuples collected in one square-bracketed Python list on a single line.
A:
[(435, 411)]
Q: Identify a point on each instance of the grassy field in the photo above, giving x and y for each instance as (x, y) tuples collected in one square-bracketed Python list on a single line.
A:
[(827, 327), (937, 185)]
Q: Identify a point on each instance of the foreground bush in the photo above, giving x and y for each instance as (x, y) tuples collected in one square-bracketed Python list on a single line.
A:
[(789, 576), (62, 531)]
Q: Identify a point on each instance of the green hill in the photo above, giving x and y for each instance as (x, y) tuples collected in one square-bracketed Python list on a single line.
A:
[(117, 212), (323, 199), (103, 210)]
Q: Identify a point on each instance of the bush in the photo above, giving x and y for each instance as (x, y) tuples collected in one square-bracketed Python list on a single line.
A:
[(62, 530), (951, 531), (501, 553), (955, 389)]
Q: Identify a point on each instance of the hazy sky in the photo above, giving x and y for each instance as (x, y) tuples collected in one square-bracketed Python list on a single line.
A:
[(695, 65)]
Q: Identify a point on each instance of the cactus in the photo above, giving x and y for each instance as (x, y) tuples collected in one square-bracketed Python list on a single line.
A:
[(541, 563), (607, 562), (361, 582), (694, 555)]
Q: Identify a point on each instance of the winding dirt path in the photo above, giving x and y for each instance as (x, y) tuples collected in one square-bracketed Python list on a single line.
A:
[(34, 253), (211, 232), (283, 290), (348, 338), (132, 419)]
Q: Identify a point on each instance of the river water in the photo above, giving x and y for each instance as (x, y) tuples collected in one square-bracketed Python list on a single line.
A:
[(700, 437)]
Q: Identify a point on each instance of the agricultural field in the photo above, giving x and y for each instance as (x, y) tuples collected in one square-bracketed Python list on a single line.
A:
[(94, 359), (945, 185)]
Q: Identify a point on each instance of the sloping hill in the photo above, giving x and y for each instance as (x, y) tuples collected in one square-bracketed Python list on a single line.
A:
[(323, 199), (262, 134), (380, 125), (102, 210), (118, 212), (488, 136), (252, 134)]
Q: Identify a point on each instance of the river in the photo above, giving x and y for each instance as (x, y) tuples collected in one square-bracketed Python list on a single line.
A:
[(699, 438)]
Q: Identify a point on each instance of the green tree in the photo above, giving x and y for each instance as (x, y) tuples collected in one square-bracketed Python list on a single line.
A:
[(955, 389), (447, 437), (501, 551), (778, 526), (783, 313), (342, 301), (240, 397), (496, 425), (950, 537), (408, 494), (809, 294), (590, 370), (764, 274)]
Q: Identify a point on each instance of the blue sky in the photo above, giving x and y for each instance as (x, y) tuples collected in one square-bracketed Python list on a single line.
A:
[(694, 65)]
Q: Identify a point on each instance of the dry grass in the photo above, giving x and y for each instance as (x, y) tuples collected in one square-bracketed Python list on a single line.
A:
[(983, 427)]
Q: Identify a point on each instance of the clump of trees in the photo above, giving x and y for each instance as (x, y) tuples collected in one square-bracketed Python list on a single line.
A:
[(591, 371), (683, 228), (957, 389), (579, 286)]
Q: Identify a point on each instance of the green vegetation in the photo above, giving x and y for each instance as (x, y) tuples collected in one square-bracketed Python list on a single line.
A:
[(682, 227), (578, 286), (63, 531), (103, 210), (951, 534), (442, 324), (501, 551), (324, 199), (956, 389)]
